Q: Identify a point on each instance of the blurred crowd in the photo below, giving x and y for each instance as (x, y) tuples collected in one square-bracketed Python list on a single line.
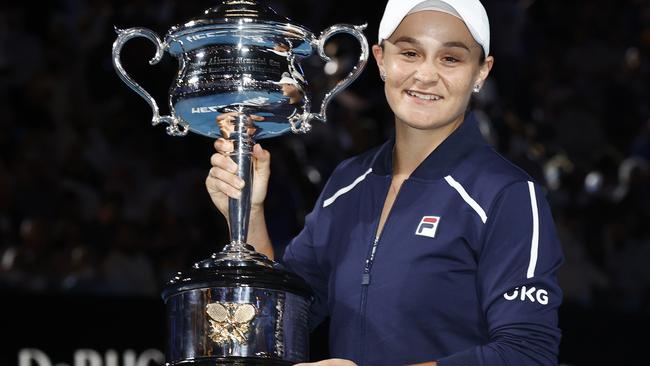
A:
[(94, 200)]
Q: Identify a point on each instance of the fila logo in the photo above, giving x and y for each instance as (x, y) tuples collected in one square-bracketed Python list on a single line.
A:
[(428, 226), (541, 295)]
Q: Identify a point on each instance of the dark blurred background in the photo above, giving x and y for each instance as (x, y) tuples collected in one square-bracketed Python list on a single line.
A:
[(98, 209)]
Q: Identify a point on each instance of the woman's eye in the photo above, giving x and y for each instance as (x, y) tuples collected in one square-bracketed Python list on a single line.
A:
[(450, 59), (409, 54)]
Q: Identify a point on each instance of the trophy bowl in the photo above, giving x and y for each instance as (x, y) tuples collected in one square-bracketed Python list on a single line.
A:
[(239, 56), (239, 78)]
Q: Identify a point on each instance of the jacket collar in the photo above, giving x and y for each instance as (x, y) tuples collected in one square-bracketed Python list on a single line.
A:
[(443, 159)]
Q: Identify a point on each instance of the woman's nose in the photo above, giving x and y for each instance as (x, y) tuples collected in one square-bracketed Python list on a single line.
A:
[(427, 72)]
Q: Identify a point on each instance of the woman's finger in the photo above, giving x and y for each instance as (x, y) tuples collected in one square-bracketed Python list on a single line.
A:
[(223, 162), (233, 180), (221, 186), (223, 146), (262, 160)]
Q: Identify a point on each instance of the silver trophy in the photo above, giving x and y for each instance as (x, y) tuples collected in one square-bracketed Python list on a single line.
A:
[(239, 78)]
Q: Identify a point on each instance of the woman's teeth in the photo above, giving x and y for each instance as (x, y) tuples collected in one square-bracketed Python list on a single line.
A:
[(422, 96)]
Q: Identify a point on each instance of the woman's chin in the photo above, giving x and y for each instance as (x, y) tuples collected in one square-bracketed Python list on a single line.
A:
[(427, 121)]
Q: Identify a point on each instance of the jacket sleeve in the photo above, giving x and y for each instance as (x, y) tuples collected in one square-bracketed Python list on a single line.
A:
[(304, 257), (518, 291)]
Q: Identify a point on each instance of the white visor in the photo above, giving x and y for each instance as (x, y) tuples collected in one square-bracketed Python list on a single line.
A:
[(471, 12)]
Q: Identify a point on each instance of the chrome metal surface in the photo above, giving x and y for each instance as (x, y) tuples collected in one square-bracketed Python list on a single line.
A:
[(232, 11), (213, 323), (175, 126), (232, 57), (239, 209), (239, 77), (354, 30)]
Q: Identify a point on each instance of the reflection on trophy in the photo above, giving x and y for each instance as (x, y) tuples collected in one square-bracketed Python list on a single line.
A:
[(239, 78), (291, 88)]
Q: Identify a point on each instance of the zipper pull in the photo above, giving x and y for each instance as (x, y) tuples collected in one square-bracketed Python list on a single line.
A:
[(365, 277)]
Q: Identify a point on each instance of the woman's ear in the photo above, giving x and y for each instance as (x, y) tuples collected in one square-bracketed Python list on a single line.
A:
[(378, 52), (484, 70)]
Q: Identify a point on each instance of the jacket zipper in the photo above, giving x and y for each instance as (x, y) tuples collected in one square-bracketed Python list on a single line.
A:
[(366, 276)]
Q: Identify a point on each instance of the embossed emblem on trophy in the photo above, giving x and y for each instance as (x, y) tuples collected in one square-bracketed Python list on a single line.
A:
[(239, 78)]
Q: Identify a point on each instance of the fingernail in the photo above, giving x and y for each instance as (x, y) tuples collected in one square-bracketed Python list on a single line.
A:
[(240, 183)]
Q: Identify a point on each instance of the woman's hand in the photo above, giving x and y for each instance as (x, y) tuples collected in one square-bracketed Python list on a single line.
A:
[(330, 362), (341, 362), (222, 181)]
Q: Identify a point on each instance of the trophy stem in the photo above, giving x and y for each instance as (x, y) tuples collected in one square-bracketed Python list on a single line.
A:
[(239, 209), (239, 129)]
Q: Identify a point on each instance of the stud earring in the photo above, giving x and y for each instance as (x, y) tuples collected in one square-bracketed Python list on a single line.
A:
[(382, 75), (477, 88)]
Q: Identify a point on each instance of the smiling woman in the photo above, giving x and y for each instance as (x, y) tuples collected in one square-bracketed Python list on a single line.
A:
[(432, 248), (431, 65)]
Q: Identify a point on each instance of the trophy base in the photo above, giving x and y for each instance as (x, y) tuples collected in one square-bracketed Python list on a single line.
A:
[(233, 361), (221, 312)]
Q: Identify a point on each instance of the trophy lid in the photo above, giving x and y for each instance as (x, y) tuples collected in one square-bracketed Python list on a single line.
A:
[(236, 12), (233, 10)]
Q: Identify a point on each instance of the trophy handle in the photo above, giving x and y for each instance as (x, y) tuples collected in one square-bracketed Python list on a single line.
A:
[(176, 126), (356, 31)]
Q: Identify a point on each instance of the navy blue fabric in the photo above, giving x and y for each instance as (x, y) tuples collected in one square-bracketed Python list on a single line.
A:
[(460, 297)]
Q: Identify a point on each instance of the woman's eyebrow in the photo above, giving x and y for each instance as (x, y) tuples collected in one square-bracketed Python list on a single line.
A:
[(450, 44), (408, 40), (456, 44)]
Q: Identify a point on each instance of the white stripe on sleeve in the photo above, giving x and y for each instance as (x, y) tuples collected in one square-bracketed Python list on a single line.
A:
[(470, 201), (345, 189), (535, 240)]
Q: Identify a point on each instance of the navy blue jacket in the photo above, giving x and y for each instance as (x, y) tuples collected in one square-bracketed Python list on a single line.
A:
[(462, 274)]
